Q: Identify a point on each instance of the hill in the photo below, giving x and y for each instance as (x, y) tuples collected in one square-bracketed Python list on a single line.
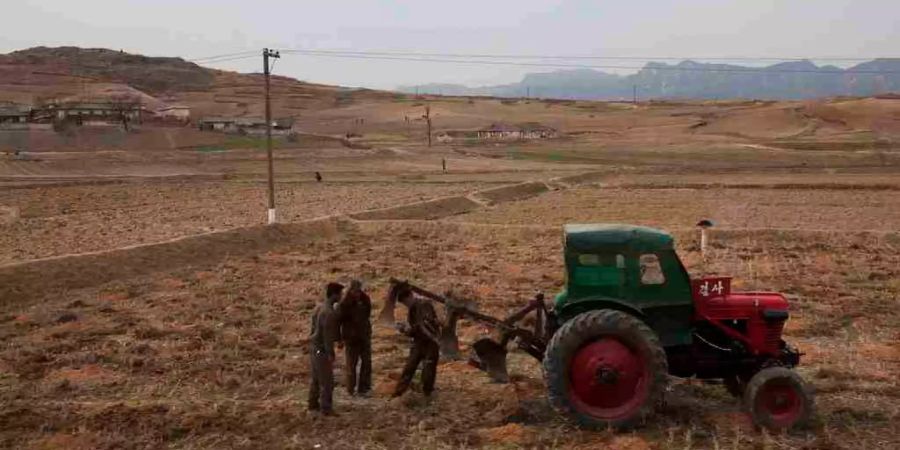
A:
[(149, 74), (794, 80), (30, 75)]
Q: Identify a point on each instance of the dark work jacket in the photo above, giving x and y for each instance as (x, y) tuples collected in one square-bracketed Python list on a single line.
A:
[(354, 313), (324, 330), (422, 317)]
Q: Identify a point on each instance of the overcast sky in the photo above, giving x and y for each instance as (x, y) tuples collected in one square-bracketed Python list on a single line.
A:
[(688, 28)]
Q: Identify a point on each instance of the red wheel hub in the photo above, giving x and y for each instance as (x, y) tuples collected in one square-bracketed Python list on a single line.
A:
[(780, 400), (608, 379)]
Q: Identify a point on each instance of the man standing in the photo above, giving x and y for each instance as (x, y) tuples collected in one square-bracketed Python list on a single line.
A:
[(322, 335), (423, 328), (356, 333)]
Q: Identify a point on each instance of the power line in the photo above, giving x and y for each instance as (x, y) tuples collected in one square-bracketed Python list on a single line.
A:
[(223, 56), (362, 55), (234, 58), (578, 57)]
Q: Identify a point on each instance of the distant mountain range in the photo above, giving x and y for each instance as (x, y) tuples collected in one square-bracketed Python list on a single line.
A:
[(689, 79)]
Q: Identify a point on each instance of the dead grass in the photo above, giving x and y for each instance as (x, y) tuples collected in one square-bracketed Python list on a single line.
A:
[(75, 219), (679, 208), (215, 356)]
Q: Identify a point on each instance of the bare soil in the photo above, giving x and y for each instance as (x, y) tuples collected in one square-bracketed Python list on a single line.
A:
[(75, 219), (810, 209), (201, 341), (214, 356)]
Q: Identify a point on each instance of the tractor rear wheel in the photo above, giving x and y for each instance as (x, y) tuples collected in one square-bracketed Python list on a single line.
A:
[(605, 368), (778, 399)]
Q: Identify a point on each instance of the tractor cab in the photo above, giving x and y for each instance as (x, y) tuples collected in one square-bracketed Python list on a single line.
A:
[(630, 268)]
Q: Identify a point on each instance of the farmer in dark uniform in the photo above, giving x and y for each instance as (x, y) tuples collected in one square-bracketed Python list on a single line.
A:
[(356, 333), (423, 328), (322, 336)]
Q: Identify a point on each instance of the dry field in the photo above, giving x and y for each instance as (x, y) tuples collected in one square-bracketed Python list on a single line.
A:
[(200, 342), (77, 219), (678, 208), (213, 355)]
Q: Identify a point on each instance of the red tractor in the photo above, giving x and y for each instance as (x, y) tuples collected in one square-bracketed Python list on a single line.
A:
[(629, 317)]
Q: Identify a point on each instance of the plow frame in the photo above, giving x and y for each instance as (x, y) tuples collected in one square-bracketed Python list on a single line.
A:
[(490, 355)]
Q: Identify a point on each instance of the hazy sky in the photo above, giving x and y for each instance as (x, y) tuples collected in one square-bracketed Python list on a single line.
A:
[(689, 28)]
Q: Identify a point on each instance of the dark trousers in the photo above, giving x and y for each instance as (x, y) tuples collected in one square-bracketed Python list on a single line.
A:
[(359, 355), (321, 386), (426, 353)]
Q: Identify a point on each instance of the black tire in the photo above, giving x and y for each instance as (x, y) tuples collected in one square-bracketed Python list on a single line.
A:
[(778, 399), (597, 327)]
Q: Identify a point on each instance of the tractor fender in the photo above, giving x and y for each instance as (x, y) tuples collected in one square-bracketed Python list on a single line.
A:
[(572, 309)]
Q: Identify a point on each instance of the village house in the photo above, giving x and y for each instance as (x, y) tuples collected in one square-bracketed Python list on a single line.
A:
[(177, 113), (251, 125), (216, 124), (97, 111), (14, 113), (499, 131), (453, 136), (284, 123), (531, 130)]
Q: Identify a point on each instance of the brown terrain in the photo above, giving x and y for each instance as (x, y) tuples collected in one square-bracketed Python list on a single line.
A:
[(143, 303)]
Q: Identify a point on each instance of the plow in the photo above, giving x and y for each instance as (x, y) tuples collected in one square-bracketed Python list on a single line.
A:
[(489, 354), (630, 318)]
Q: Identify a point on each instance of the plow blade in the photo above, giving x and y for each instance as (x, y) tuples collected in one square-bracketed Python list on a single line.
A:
[(490, 357), (449, 340), (386, 316)]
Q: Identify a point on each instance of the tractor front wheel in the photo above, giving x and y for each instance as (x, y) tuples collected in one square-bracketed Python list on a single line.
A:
[(605, 368), (778, 399)]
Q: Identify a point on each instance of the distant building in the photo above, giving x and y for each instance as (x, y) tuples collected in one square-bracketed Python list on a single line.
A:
[(530, 130), (534, 130), (110, 111), (217, 124), (178, 113), (252, 125), (14, 113), (454, 135), (284, 123)]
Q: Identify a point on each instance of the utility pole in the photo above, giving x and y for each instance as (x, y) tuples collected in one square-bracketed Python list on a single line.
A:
[(266, 55), (427, 118), (634, 97)]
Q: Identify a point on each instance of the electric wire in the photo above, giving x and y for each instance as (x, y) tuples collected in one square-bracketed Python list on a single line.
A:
[(582, 57)]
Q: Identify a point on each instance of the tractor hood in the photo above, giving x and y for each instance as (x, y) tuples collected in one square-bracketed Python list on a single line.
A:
[(714, 298)]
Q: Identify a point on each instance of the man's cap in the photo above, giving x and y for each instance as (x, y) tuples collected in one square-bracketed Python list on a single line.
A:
[(332, 288)]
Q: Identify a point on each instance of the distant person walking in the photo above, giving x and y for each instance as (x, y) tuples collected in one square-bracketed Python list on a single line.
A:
[(318, 177), (354, 313), (444, 164), (322, 336)]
